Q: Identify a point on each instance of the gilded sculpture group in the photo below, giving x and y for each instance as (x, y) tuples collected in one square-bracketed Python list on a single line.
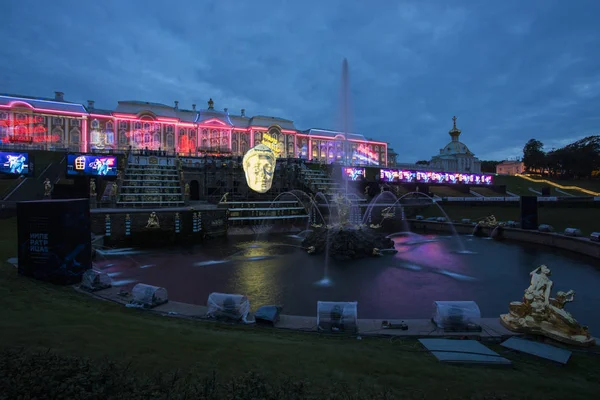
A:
[(541, 314)]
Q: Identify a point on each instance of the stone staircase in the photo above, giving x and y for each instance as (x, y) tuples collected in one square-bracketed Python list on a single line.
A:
[(319, 181), (150, 186)]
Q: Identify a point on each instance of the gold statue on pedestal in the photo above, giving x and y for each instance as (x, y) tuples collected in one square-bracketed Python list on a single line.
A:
[(488, 221), (540, 314), (92, 187), (47, 187), (153, 221), (113, 189), (186, 189)]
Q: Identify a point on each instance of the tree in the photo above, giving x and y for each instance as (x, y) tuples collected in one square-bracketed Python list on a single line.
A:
[(534, 157), (489, 166)]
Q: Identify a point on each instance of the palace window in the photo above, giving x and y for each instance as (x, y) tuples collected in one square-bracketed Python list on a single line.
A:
[(58, 135), (75, 136), (170, 129), (170, 140), (146, 126), (3, 115), (109, 126), (138, 126), (122, 137), (20, 117), (157, 140), (57, 121), (95, 124), (73, 121), (181, 132), (122, 125)]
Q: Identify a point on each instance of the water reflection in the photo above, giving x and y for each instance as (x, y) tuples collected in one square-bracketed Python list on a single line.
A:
[(403, 285)]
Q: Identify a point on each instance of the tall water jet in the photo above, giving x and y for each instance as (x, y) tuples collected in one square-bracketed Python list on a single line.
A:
[(345, 111)]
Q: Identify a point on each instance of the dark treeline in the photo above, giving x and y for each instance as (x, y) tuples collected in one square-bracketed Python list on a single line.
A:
[(580, 159)]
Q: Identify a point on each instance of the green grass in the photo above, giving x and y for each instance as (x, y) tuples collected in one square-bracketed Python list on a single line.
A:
[(36, 316), (586, 219), (521, 186)]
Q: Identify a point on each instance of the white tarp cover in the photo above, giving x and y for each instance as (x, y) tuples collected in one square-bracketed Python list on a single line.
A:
[(337, 316), (449, 314), (95, 280), (228, 306), (148, 295)]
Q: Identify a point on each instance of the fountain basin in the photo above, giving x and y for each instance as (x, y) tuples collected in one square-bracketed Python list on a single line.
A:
[(345, 243)]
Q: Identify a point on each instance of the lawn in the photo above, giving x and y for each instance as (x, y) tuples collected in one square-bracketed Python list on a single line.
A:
[(586, 219), (520, 186), (38, 317)]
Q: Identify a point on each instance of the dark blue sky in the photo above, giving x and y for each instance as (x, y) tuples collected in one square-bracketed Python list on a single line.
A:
[(509, 70)]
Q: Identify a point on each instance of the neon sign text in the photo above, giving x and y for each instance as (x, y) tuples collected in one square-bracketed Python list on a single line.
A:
[(392, 175), (353, 174)]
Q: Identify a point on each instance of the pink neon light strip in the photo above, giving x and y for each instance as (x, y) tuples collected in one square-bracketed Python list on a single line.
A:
[(43, 110)]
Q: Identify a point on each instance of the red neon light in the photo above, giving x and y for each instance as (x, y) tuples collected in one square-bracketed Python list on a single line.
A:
[(212, 120), (102, 116), (51, 112), (29, 120), (165, 119), (187, 125), (126, 116), (17, 103)]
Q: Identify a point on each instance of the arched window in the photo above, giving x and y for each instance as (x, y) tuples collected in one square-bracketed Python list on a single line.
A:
[(95, 124), (157, 140), (170, 140), (122, 124), (181, 132), (110, 126), (75, 136), (137, 126), (58, 135), (146, 126), (122, 138)]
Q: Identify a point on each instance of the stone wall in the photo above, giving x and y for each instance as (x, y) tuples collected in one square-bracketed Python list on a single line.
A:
[(213, 222), (577, 244)]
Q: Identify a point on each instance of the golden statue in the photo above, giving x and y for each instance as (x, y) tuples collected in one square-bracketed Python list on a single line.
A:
[(343, 206), (366, 191), (92, 187), (259, 167), (488, 221), (186, 189), (376, 251), (153, 221), (540, 314), (311, 250), (47, 187), (388, 212), (224, 198), (317, 225), (113, 189), (374, 226)]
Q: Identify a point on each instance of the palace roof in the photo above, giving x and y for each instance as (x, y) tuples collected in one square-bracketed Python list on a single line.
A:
[(40, 103)]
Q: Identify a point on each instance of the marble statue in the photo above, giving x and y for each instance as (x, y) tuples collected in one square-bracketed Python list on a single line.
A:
[(153, 221), (259, 167), (47, 188), (540, 314), (92, 187)]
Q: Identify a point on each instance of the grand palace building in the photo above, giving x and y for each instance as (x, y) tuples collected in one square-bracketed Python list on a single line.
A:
[(41, 123)]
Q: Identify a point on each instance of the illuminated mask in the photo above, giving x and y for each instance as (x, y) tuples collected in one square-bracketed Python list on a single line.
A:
[(259, 166)]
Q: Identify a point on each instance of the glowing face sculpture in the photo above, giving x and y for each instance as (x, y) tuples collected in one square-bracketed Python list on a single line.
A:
[(259, 166)]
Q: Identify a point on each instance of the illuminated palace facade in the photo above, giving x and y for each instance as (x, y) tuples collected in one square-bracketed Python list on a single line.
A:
[(56, 124)]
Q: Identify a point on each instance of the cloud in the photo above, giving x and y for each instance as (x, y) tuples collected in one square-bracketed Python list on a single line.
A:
[(510, 71)]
